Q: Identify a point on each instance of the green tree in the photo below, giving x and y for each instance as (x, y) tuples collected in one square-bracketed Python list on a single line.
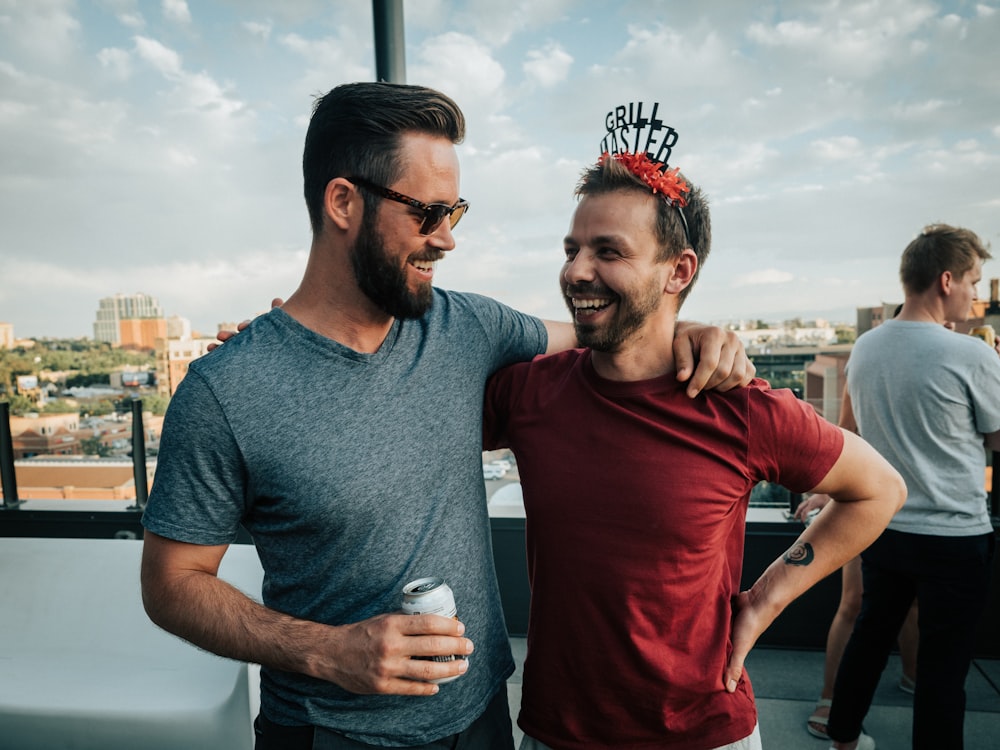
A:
[(60, 406), (155, 403), (98, 408), (93, 446), (19, 405), (846, 334)]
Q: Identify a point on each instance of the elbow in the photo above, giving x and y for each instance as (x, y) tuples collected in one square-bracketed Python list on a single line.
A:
[(897, 491), (150, 602), (154, 598)]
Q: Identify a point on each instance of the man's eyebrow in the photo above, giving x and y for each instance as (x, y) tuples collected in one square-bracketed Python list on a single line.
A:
[(601, 239)]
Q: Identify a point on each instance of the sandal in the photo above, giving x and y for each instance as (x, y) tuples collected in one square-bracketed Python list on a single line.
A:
[(818, 720)]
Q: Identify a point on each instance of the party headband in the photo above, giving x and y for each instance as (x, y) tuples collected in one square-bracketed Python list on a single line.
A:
[(643, 145)]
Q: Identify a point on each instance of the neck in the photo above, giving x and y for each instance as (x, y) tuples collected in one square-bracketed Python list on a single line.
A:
[(648, 353), (923, 308), (329, 302)]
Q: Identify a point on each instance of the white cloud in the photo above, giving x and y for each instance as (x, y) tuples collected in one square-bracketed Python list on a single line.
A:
[(329, 60), (765, 277), (132, 20), (549, 65), (196, 93), (840, 147), (466, 69), (42, 30), (259, 28), (162, 58), (499, 22), (117, 61), (177, 11), (921, 110)]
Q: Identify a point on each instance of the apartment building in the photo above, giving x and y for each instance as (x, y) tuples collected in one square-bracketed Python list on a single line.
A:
[(130, 320)]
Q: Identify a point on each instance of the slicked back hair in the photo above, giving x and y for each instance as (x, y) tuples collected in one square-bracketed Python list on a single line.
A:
[(356, 131), (937, 249), (611, 176)]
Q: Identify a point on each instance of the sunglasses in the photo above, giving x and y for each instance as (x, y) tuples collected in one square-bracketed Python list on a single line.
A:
[(433, 213)]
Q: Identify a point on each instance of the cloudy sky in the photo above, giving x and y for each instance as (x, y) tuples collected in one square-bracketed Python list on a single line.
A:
[(155, 145)]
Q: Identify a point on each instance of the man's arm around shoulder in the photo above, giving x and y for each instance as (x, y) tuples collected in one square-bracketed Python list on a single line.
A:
[(706, 357)]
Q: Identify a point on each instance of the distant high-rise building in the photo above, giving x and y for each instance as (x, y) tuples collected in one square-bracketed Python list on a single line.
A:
[(7, 335), (873, 317), (178, 327), (134, 320), (173, 357)]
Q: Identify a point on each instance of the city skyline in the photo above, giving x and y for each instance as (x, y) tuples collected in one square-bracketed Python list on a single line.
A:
[(155, 146)]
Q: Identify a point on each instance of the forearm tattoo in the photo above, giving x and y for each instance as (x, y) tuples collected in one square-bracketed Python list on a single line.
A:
[(801, 553)]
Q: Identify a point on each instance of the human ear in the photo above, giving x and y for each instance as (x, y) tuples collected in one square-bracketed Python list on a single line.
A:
[(342, 203), (684, 268)]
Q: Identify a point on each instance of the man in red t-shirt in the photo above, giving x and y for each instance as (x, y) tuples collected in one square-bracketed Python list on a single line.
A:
[(636, 495)]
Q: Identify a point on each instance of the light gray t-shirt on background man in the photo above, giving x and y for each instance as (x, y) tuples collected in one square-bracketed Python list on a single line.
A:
[(924, 397)]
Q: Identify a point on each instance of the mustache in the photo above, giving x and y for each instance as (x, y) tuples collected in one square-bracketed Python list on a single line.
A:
[(579, 290), (430, 257)]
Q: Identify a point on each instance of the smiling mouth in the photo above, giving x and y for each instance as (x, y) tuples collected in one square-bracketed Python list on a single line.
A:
[(424, 266), (589, 306)]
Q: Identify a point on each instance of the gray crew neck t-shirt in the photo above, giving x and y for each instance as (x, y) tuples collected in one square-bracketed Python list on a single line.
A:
[(924, 397), (354, 473)]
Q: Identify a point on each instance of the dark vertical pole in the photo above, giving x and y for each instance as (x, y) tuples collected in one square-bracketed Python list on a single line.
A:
[(390, 48), (9, 480), (139, 454), (995, 486)]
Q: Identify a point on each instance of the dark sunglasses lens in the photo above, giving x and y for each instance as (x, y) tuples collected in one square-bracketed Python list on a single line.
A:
[(458, 213), (433, 216)]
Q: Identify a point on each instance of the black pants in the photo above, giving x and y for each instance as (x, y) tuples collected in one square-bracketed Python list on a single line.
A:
[(949, 578), (491, 731)]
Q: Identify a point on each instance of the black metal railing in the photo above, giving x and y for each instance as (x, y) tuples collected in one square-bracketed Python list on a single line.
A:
[(18, 518), (8, 479)]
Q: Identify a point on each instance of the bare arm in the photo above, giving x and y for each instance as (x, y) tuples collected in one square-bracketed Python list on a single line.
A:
[(721, 360), (866, 493), (183, 594), (847, 422)]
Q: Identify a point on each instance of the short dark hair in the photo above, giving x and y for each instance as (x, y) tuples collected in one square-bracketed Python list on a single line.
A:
[(937, 249), (356, 128), (610, 175)]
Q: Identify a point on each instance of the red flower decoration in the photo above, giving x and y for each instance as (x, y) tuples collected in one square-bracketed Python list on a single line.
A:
[(666, 182)]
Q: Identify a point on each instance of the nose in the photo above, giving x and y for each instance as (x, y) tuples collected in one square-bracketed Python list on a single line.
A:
[(442, 237), (578, 268)]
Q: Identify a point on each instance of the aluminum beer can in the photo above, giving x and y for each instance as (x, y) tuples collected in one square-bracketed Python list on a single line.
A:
[(986, 333), (431, 596)]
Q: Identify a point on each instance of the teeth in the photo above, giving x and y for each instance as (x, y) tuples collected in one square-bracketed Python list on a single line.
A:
[(595, 304), (423, 265)]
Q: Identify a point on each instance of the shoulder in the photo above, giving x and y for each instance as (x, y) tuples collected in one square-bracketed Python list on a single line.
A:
[(546, 366), (265, 334), (782, 403), (451, 304)]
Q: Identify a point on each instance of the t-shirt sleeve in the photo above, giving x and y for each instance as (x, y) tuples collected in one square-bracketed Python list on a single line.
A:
[(789, 443), (985, 394), (513, 336), (199, 491), (500, 402)]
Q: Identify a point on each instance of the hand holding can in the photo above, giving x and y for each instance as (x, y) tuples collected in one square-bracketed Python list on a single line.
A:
[(431, 596)]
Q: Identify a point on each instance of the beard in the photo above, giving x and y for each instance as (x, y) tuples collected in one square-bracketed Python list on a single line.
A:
[(382, 280), (633, 308)]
